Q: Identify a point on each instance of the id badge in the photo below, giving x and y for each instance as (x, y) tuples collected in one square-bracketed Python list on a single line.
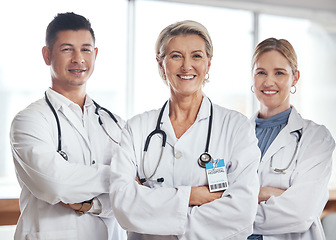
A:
[(216, 174)]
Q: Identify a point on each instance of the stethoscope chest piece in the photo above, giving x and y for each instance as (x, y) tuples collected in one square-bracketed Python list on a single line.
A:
[(204, 159)]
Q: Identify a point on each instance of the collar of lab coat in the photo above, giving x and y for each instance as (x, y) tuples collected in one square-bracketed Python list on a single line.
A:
[(65, 106), (295, 122), (203, 113), (58, 100)]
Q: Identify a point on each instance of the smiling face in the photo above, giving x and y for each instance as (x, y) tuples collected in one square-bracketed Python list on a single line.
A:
[(71, 59), (185, 64), (273, 79)]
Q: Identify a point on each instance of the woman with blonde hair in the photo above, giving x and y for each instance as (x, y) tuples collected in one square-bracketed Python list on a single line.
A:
[(296, 154), (176, 151)]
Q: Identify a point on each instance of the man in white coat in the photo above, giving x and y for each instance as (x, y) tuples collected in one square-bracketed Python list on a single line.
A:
[(62, 145)]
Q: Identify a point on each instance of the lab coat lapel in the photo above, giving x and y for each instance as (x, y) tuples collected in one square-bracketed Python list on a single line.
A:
[(75, 122), (166, 125), (279, 142), (284, 138), (61, 106)]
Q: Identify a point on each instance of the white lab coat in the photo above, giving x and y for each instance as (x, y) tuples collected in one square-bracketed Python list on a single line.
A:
[(46, 178), (160, 210), (295, 215)]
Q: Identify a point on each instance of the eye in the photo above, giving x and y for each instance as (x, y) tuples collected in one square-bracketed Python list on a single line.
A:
[(197, 56), (261, 73), (87, 50), (175, 56), (279, 73), (66, 49)]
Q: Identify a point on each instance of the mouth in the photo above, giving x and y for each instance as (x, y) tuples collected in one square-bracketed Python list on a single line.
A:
[(77, 70), (186, 77), (269, 92)]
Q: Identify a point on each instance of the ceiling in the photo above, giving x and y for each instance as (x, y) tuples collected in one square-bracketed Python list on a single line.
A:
[(325, 5), (328, 6), (321, 11)]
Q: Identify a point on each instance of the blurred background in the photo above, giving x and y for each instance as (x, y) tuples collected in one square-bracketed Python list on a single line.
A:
[(126, 79)]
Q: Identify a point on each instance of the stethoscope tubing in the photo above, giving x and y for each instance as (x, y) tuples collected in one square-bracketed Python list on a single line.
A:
[(158, 130), (98, 107), (59, 131), (59, 146), (283, 170)]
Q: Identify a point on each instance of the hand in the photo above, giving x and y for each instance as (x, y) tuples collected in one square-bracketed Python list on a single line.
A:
[(138, 180), (74, 206), (266, 192), (201, 195)]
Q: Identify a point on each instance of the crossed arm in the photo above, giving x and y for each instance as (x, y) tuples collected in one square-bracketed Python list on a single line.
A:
[(266, 192)]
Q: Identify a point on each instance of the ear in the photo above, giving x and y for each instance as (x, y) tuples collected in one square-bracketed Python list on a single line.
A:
[(209, 63), (159, 60), (46, 53), (296, 77), (160, 63), (96, 52)]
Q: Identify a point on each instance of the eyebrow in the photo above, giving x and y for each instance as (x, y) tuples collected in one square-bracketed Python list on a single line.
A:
[(71, 45), (283, 69), (177, 51), (277, 69)]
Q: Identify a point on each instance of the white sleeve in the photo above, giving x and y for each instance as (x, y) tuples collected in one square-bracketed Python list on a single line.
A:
[(232, 216), (159, 211), (303, 202), (102, 206), (44, 172)]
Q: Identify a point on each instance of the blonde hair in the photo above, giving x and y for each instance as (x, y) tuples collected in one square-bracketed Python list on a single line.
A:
[(280, 45), (187, 27)]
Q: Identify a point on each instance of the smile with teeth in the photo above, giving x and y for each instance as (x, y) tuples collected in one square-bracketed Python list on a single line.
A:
[(269, 92), (186, 77), (77, 70)]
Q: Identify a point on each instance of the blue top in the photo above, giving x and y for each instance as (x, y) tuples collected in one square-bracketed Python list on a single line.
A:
[(267, 129)]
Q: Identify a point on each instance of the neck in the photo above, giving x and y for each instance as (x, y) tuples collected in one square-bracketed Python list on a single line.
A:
[(183, 112), (266, 112)]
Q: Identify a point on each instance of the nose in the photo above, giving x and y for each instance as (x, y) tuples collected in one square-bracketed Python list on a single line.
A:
[(187, 64), (269, 81), (77, 57)]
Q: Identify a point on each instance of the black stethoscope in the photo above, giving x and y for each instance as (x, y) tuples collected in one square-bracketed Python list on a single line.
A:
[(202, 160), (59, 147), (283, 170)]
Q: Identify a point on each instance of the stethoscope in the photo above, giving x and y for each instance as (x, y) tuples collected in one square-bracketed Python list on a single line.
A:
[(59, 147), (283, 170), (202, 160)]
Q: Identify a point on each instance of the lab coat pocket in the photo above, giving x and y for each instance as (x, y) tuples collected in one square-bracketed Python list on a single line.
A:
[(53, 235)]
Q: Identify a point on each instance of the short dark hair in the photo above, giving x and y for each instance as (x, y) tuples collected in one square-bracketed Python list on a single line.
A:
[(66, 21)]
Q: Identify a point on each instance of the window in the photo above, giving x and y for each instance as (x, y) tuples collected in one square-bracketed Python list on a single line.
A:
[(230, 70), (128, 89), (24, 76), (316, 51)]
